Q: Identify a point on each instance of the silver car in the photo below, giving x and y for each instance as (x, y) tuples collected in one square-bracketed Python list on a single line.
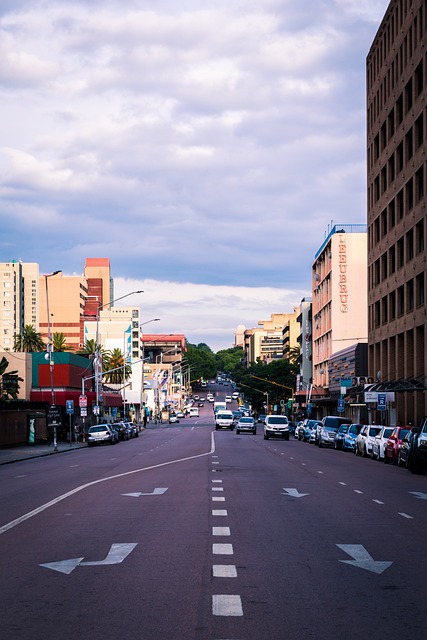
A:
[(246, 423), (101, 434)]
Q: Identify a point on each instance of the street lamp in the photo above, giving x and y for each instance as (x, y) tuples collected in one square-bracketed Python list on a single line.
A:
[(97, 354), (142, 403), (49, 350)]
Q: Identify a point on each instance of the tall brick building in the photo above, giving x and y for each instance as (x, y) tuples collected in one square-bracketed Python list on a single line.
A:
[(396, 150)]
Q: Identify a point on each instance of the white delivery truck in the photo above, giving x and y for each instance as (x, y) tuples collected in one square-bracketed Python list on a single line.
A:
[(224, 420)]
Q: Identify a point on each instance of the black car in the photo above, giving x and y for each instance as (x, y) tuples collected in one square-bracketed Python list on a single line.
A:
[(340, 436), (122, 430)]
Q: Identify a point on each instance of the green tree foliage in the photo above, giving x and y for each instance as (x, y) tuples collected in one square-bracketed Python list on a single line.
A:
[(59, 342), (9, 383), (201, 360), (112, 364), (29, 341), (229, 360), (260, 379)]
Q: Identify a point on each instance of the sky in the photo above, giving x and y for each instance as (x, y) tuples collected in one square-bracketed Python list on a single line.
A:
[(206, 147)]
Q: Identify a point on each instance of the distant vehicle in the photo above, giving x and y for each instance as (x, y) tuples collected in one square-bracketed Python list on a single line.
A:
[(217, 406), (173, 418), (349, 443), (228, 398), (330, 425), (193, 412), (235, 395), (261, 418), (246, 423), (276, 427), (379, 443), (340, 435), (417, 450), (180, 414)]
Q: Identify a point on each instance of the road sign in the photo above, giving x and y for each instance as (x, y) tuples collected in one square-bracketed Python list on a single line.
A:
[(83, 412), (308, 408), (381, 406), (341, 405), (53, 416), (82, 401), (69, 405)]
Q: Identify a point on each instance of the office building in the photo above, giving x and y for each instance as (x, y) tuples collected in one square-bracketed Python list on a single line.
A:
[(396, 150)]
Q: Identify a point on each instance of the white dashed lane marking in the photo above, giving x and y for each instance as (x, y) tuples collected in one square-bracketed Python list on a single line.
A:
[(224, 549), (224, 571), (219, 512), (223, 605), (221, 531), (218, 499)]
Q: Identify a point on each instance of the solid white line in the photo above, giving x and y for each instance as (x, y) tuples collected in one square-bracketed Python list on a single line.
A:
[(405, 515), (43, 507), (221, 531), (226, 605), (224, 571), (221, 549), (219, 512)]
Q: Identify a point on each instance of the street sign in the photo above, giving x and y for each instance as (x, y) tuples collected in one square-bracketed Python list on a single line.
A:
[(83, 412), (53, 416), (82, 401), (341, 405), (69, 406), (308, 408), (381, 406)]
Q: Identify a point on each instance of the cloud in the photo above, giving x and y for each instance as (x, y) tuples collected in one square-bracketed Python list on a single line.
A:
[(195, 142)]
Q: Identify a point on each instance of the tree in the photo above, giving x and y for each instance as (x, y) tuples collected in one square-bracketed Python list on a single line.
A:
[(58, 341), (277, 379), (88, 349), (228, 360), (112, 363), (29, 341), (201, 360), (9, 382)]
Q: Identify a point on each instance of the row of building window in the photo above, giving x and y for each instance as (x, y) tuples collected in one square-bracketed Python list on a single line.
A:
[(401, 355), (413, 140), (400, 60), (405, 249), (397, 303)]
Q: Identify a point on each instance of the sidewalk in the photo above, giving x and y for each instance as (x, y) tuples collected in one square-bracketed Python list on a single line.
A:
[(25, 452)]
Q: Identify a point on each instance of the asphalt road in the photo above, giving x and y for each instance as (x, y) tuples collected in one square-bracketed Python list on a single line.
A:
[(187, 533)]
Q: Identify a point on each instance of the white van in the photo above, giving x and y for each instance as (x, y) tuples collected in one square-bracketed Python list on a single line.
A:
[(193, 412), (224, 420)]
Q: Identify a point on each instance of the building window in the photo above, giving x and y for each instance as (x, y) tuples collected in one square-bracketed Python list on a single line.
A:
[(400, 157), (420, 290), (410, 194), (377, 316), (384, 270), (419, 131), (384, 311), (400, 208), (409, 245), (410, 295), (419, 79), (408, 96), (419, 231), (400, 301), (419, 184), (392, 214), (400, 253), (392, 259)]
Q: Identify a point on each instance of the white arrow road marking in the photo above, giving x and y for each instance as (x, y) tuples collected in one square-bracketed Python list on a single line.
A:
[(157, 492), (362, 559), (116, 555), (294, 493), (419, 494)]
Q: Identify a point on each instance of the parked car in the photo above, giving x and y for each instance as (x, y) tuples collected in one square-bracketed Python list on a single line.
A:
[(365, 439), (122, 430), (276, 426), (416, 460), (173, 418), (100, 434), (180, 414), (298, 429), (305, 431), (379, 443), (340, 435), (349, 443), (392, 446), (261, 418), (312, 433), (331, 424), (246, 423)]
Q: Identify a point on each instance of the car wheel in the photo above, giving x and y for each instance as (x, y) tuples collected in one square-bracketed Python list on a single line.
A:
[(365, 453), (320, 444), (265, 436), (254, 432), (386, 460), (286, 437), (238, 432)]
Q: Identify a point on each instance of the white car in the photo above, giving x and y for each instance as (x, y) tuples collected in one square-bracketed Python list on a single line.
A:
[(193, 412), (246, 423), (379, 443), (365, 439), (228, 398), (276, 427)]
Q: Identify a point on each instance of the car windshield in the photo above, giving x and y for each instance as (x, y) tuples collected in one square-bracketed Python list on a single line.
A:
[(373, 431), (387, 433), (98, 429), (246, 420), (354, 429), (403, 433), (278, 420)]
